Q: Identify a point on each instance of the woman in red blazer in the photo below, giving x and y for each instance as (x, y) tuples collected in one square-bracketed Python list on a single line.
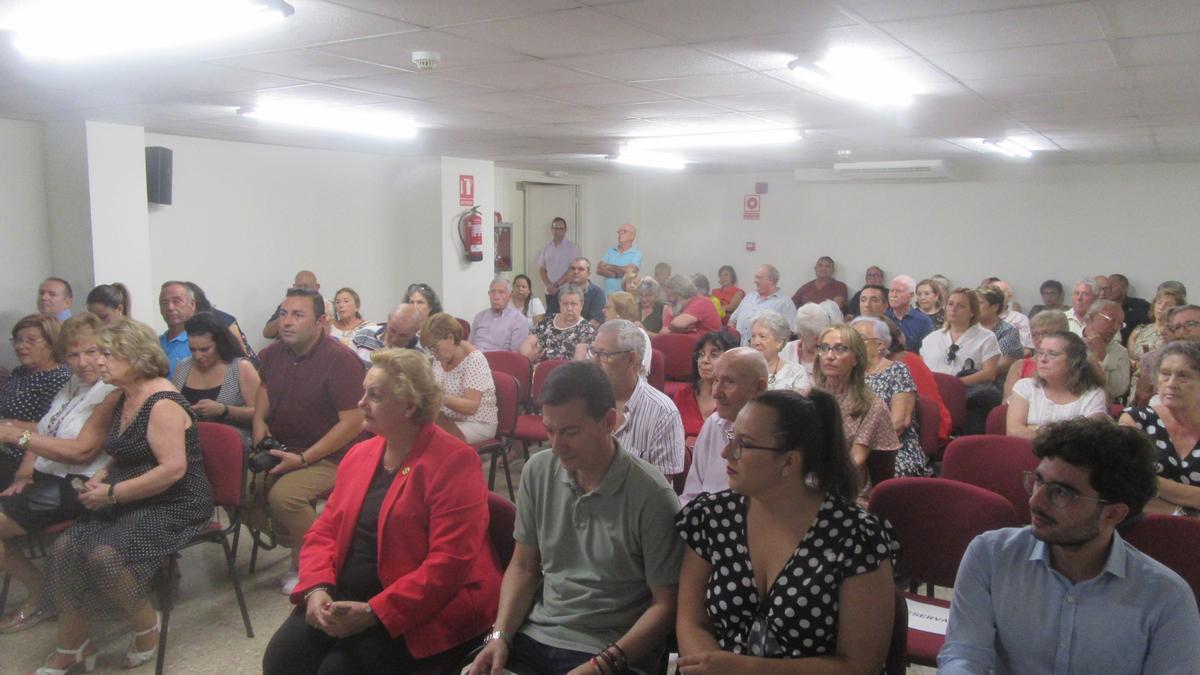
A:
[(398, 569)]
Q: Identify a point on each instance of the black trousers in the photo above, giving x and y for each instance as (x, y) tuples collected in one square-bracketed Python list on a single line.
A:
[(551, 304)]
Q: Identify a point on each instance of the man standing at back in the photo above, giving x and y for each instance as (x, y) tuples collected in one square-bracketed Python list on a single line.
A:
[(766, 295), (594, 574), (177, 304), (304, 280), (554, 262), (1067, 594), (620, 259)]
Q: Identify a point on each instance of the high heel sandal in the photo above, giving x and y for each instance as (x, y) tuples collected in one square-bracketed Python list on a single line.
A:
[(88, 662), (134, 658)]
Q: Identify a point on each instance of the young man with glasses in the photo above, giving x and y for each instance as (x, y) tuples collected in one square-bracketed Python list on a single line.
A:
[(1067, 594), (648, 422)]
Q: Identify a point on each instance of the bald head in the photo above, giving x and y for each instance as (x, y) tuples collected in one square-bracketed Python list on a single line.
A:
[(306, 280), (739, 375), (403, 325)]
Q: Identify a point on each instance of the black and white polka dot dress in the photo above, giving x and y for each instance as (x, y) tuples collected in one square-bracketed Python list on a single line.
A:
[(1170, 465), (89, 561), (27, 396), (799, 617)]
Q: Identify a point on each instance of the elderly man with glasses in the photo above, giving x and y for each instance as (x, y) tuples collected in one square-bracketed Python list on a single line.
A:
[(1182, 322), (1102, 324), (1067, 594)]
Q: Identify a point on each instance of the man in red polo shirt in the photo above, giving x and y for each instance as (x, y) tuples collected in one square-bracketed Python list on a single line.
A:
[(824, 287)]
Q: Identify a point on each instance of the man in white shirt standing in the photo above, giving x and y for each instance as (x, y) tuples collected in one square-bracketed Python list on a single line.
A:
[(766, 295), (554, 262)]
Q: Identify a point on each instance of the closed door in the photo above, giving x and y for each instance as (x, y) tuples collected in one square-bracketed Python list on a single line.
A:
[(543, 203)]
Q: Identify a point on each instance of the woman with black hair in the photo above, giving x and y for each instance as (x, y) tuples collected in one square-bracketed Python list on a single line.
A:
[(109, 301), (425, 298), (784, 565), (217, 379), (229, 321), (695, 401)]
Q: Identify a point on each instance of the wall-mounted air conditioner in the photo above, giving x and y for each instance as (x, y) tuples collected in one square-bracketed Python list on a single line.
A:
[(915, 169)]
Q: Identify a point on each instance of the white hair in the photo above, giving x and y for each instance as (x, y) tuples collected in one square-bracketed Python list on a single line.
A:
[(811, 319), (500, 280), (909, 284), (774, 322), (882, 332), (629, 337)]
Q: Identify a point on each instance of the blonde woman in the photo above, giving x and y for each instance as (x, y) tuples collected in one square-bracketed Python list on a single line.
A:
[(623, 305), (931, 301)]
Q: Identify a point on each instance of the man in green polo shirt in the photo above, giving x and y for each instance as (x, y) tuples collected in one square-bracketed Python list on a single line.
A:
[(596, 563)]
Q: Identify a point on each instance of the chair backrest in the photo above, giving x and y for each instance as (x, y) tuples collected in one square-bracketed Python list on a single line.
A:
[(540, 373), (897, 656), (929, 418), (224, 462), (506, 403), (502, 523), (997, 421), (1116, 410), (657, 377), (466, 327), (678, 349), (881, 466), (1172, 541), (934, 520), (954, 395), (994, 463), (518, 366)]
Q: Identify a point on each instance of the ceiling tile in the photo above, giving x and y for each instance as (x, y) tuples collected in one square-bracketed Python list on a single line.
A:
[(1162, 49), (1027, 27), (410, 85), (1178, 76), (672, 108), (756, 102), (1113, 78), (303, 64), (773, 52), (316, 22), (446, 12), (1027, 61), (701, 20), (517, 75), (566, 33), (719, 123), (323, 93), (1076, 100), (1150, 17), (396, 50), (651, 63), (600, 94), (890, 10), (718, 85)]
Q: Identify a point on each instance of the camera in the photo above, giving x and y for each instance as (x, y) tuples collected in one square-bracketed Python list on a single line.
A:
[(261, 460)]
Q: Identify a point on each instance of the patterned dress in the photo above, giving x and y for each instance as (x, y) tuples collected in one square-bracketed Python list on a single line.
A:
[(799, 616), (105, 550), (559, 343), (26, 396), (1185, 470), (896, 379)]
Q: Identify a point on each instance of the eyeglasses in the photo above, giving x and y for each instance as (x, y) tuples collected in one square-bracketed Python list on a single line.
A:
[(708, 356), (1184, 326), (579, 268), (1060, 496), (736, 446), (1046, 353), (606, 356), (838, 349), (952, 354), (28, 342)]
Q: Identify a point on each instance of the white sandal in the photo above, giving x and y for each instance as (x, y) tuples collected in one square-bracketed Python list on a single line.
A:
[(88, 663), (134, 658)]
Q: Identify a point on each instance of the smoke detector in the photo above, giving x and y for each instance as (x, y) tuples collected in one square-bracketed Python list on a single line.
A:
[(426, 60)]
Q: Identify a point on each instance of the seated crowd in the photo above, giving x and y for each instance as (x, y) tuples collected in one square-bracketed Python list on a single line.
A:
[(727, 509)]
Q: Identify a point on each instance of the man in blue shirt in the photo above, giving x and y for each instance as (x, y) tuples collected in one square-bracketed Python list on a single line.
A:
[(913, 323), (1067, 594), (620, 259), (177, 304), (55, 298)]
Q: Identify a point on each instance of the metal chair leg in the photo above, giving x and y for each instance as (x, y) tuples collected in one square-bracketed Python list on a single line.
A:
[(165, 600), (231, 561)]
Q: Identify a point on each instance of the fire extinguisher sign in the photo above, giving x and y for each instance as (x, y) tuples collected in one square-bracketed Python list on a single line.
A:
[(466, 190), (751, 206)]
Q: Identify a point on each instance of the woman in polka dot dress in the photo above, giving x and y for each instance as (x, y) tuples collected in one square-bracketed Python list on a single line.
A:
[(783, 565), (26, 396), (1174, 427)]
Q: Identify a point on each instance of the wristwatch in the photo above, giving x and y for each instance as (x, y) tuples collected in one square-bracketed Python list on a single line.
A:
[(499, 635), (23, 441)]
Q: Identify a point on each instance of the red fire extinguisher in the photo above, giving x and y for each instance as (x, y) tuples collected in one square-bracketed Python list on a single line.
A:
[(470, 232)]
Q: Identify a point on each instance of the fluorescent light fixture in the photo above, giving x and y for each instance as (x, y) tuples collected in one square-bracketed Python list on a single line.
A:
[(858, 75), (72, 30), (716, 140), (1009, 147), (349, 120), (654, 160)]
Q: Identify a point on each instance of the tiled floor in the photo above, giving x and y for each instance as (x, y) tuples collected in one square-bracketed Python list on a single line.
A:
[(206, 635)]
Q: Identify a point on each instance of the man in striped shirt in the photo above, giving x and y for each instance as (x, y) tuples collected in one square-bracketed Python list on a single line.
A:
[(648, 423)]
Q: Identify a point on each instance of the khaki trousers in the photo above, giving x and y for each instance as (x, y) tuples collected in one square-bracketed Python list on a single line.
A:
[(292, 500)]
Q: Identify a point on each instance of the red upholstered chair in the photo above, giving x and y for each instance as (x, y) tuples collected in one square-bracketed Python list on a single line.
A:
[(506, 424), (518, 366), (929, 417), (678, 349), (1172, 541), (954, 395), (934, 520), (225, 466), (1116, 410), (881, 466), (997, 421), (501, 524), (466, 327), (529, 426), (993, 463), (657, 377)]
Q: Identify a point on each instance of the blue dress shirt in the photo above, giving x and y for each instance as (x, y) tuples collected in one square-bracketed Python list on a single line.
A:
[(1013, 613), (915, 325), (176, 349)]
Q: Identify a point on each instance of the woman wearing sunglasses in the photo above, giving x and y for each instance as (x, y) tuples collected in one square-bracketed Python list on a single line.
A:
[(783, 565), (968, 351)]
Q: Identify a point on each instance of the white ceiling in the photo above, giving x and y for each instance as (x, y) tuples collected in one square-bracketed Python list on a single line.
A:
[(560, 83)]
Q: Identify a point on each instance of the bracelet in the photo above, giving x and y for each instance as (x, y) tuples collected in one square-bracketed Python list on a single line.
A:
[(596, 665), (621, 664), (112, 497), (314, 589), (303, 462), (23, 441), (224, 412)]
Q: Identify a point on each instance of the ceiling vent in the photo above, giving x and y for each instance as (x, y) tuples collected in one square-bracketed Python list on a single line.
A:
[(916, 169)]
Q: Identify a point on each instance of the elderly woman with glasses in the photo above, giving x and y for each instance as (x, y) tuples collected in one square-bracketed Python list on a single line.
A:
[(783, 572), (1065, 386), (1047, 321), (769, 333), (564, 334), (891, 381), (968, 351), (1149, 337), (26, 396)]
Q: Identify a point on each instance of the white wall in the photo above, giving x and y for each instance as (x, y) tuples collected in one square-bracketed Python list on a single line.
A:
[(24, 228), (1021, 223), (464, 284)]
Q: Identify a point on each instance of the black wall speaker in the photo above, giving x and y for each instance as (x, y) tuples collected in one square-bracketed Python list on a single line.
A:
[(158, 175)]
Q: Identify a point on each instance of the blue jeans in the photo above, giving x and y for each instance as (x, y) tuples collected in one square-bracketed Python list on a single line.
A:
[(530, 657)]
